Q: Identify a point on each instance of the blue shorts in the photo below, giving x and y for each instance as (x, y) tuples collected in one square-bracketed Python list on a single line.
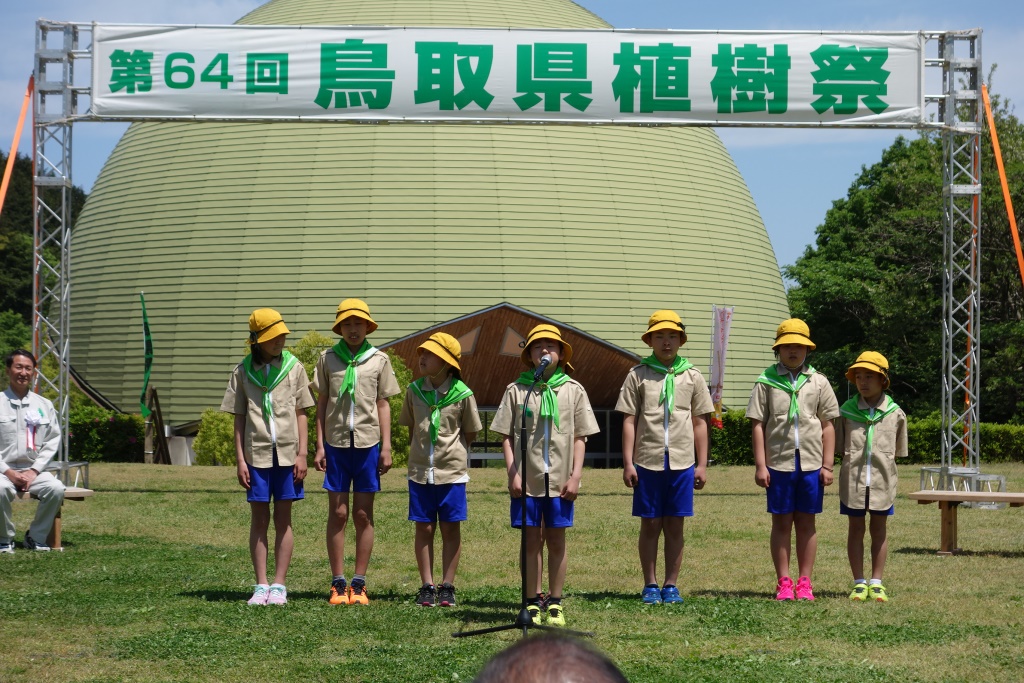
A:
[(554, 512), (668, 493), (277, 482), (352, 467), (432, 502), (798, 491), (851, 512)]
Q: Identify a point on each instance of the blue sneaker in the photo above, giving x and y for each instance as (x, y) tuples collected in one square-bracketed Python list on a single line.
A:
[(670, 595), (651, 595)]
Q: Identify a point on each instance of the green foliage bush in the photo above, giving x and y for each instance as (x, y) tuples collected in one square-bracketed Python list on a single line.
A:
[(999, 442), (96, 434), (214, 444)]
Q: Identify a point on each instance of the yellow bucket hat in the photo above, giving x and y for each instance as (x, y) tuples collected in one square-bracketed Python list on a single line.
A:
[(357, 308), (664, 320), (873, 361), (545, 331), (444, 346), (265, 324), (793, 331)]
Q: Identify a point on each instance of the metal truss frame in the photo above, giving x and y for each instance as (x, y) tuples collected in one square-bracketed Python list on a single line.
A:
[(958, 118)]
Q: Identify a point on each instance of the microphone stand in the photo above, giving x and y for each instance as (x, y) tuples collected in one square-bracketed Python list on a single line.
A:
[(523, 620)]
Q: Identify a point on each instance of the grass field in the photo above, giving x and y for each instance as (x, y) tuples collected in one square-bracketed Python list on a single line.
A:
[(153, 583)]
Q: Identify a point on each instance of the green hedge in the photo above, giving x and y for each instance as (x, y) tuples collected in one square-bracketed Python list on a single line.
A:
[(999, 442), (95, 434)]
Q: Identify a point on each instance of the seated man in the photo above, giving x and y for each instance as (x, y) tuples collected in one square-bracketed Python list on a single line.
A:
[(29, 438)]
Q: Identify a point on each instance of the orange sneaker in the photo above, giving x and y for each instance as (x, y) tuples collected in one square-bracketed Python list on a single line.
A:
[(339, 594), (357, 593)]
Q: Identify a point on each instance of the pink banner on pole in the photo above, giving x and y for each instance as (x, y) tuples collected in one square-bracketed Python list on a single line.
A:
[(719, 344)]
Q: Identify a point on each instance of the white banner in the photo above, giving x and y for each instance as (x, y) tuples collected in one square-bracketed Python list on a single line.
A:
[(446, 74), (721, 324)]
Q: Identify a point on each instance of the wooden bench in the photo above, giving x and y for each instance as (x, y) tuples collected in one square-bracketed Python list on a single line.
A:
[(949, 501), (70, 493)]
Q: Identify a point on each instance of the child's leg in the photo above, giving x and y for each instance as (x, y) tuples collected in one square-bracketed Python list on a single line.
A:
[(337, 520), (534, 557), (806, 542), (673, 548), (424, 547), (284, 542), (362, 513), (879, 545), (451, 549), (855, 546), (258, 539), (650, 535), (555, 540), (781, 541)]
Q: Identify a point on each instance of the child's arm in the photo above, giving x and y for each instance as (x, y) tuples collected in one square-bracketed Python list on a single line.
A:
[(384, 414), (242, 467), (700, 450), (629, 477), (572, 487), (761, 476), (515, 483), (320, 461), (302, 422), (828, 451)]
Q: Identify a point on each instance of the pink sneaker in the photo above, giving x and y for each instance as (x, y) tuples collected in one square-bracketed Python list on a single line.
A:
[(278, 595), (804, 589), (260, 594), (784, 591)]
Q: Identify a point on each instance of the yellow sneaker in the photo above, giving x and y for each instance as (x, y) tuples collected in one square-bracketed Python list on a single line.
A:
[(339, 593), (534, 611), (357, 594), (877, 592), (556, 616), (860, 592)]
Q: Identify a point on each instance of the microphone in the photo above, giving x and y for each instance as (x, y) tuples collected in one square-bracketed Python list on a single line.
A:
[(545, 361)]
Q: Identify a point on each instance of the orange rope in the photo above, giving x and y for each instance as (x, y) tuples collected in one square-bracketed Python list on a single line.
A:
[(1002, 179), (9, 168)]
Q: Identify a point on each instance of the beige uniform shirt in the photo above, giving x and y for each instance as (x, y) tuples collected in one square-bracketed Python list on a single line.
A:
[(243, 397), (575, 419), (657, 430), (876, 470), (770, 406), (447, 461), (355, 423), (24, 422)]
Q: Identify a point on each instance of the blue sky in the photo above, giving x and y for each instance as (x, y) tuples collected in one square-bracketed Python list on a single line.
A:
[(794, 175)]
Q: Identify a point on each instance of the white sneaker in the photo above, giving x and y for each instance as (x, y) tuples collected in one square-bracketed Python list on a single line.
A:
[(260, 594), (32, 544), (6, 547), (278, 595)]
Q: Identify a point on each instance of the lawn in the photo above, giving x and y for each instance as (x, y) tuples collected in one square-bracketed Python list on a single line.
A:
[(153, 583)]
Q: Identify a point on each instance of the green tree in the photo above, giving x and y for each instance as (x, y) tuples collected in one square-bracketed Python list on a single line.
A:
[(873, 278)]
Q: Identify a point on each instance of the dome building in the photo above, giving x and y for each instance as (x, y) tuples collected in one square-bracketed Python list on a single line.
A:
[(480, 230)]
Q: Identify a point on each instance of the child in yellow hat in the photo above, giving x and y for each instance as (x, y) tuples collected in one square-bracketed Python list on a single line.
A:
[(558, 421), (665, 404), (441, 414), (791, 409), (870, 435), (353, 440), (268, 394)]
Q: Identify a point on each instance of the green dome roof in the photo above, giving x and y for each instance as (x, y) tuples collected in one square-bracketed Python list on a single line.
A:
[(592, 226)]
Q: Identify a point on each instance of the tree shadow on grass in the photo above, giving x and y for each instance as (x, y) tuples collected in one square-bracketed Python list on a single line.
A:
[(1009, 554)]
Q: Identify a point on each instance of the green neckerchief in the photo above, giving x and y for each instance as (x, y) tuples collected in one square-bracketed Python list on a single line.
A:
[(456, 392), (348, 385), (268, 381), (548, 400), (851, 411), (668, 389), (772, 378)]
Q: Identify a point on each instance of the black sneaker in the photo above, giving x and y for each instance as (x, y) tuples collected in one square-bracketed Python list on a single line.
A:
[(446, 595), (427, 597), (35, 545)]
